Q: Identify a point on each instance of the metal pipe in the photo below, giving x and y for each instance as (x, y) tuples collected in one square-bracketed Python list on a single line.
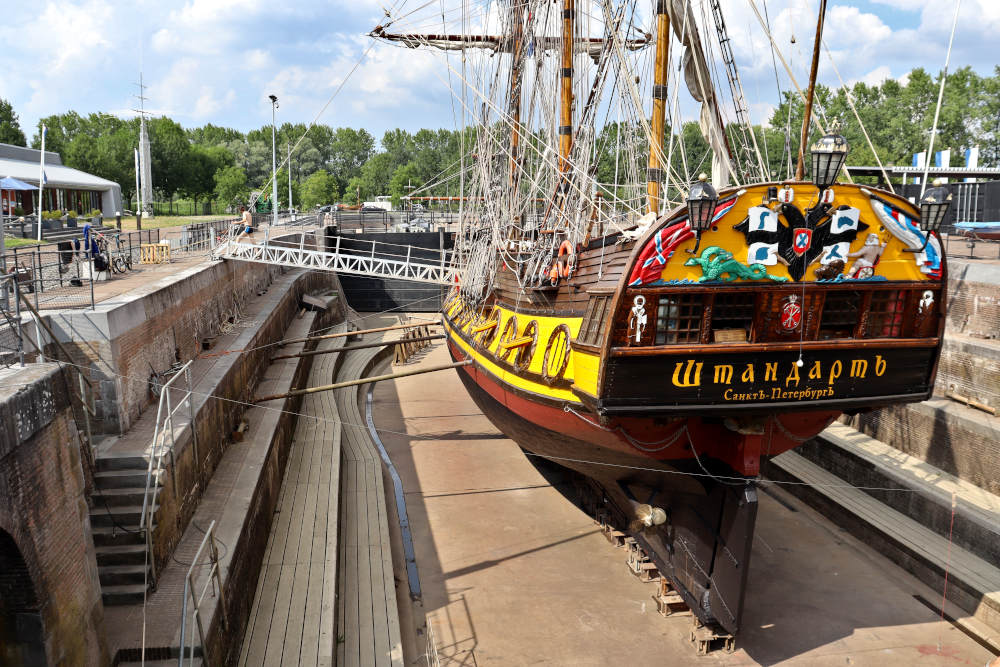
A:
[(354, 383), (348, 348)]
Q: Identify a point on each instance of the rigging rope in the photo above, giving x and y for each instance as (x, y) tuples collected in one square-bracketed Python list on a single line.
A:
[(937, 109)]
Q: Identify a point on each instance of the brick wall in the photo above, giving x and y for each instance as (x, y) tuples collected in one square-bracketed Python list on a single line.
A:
[(234, 377), (43, 511), (125, 342)]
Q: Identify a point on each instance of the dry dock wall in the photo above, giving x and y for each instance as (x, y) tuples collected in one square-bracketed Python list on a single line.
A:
[(953, 437), (50, 597), (129, 338), (233, 379)]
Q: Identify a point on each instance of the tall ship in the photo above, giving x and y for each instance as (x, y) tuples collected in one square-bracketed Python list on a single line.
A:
[(659, 332)]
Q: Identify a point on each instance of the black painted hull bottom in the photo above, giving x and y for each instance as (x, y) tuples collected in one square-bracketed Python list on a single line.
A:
[(703, 548)]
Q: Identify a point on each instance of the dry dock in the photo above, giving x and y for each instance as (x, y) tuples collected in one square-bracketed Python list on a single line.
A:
[(513, 573)]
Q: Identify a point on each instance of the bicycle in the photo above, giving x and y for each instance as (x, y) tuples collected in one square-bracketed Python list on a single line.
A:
[(120, 260)]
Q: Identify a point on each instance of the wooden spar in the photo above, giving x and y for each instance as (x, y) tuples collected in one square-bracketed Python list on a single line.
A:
[(348, 348), (517, 45), (810, 93), (566, 93), (354, 383), (654, 172), (359, 333)]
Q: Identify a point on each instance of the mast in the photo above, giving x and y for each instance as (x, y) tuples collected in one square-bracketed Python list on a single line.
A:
[(807, 117), (517, 45), (654, 171), (566, 93)]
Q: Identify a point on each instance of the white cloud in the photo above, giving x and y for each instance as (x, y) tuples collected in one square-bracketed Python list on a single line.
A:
[(874, 77), (216, 60)]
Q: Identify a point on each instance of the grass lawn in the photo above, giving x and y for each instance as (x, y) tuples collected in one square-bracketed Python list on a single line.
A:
[(10, 242), (161, 221)]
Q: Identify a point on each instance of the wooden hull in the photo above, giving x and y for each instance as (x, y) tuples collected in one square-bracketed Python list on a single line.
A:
[(708, 567), (667, 377)]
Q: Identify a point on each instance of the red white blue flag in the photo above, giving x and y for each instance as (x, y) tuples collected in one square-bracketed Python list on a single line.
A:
[(661, 247)]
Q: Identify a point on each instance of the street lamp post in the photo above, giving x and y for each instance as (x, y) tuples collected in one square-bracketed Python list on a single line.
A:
[(274, 163), (289, 163)]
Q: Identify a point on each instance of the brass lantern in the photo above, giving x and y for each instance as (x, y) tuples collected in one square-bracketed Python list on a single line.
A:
[(933, 207), (701, 203), (828, 157)]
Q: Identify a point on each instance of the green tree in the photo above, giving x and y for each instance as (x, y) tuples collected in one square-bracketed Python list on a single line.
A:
[(170, 154), (402, 179), (231, 186), (203, 163), (355, 192), (213, 135), (349, 150), (319, 189), (10, 128), (61, 130)]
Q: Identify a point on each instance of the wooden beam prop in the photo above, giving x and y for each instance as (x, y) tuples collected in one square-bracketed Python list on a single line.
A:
[(362, 332), (348, 348), (354, 383)]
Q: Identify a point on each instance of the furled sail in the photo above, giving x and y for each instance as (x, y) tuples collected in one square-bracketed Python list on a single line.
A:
[(698, 79), (593, 46)]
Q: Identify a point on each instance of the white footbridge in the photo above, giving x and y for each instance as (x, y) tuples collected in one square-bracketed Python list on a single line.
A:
[(358, 257)]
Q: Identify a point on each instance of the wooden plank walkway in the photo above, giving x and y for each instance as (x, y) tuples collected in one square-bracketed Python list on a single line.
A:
[(922, 542), (368, 618), (292, 619), (326, 593)]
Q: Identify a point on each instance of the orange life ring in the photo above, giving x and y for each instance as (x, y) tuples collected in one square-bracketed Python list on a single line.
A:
[(564, 259)]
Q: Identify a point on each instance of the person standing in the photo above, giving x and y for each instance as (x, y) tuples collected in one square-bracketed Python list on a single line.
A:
[(247, 222)]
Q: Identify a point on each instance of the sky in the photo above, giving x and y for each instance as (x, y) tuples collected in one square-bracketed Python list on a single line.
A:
[(216, 61)]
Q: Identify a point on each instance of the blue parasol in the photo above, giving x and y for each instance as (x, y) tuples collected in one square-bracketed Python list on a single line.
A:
[(11, 183)]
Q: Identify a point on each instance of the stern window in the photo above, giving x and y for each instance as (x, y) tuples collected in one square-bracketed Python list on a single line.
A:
[(678, 319), (885, 316), (593, 321), (840, 314), (731, 314)]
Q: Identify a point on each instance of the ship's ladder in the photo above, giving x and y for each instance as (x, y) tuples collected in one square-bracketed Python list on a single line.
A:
[(359, 257)]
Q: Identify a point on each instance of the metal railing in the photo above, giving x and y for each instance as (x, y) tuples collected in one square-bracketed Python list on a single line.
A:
[(11, 332), (357, 257), (62, 274), (970, 246), (163, 431), (203, 235), (213, 581)]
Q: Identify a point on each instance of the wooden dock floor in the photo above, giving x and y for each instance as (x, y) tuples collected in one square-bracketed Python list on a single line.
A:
[(326, 592), (292, 619)]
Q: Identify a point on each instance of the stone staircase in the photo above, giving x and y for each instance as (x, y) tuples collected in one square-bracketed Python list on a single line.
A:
[(848, 475), (119, 541)]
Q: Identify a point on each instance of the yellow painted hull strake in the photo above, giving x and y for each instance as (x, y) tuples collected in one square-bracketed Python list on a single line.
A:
[(581, 370)]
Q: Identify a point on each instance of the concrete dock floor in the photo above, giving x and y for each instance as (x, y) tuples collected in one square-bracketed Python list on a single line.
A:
[(513, 573)]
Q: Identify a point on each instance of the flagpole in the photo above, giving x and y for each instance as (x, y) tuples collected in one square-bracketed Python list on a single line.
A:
[(41, 187), (138, 193)]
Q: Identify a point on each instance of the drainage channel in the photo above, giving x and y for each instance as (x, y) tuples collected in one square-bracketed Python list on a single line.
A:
[(397, 487)]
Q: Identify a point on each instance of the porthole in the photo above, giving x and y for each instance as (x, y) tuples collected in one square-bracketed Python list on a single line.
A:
[(509, 334), (556, 357), (524, 353), (464, 316), (487, 337), (449, 303)]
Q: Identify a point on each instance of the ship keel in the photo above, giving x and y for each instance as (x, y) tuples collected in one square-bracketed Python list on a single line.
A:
[(703, 547)]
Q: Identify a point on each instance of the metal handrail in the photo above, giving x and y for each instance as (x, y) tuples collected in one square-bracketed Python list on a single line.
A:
[(371, 262), (164, 427), (215, 581)]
